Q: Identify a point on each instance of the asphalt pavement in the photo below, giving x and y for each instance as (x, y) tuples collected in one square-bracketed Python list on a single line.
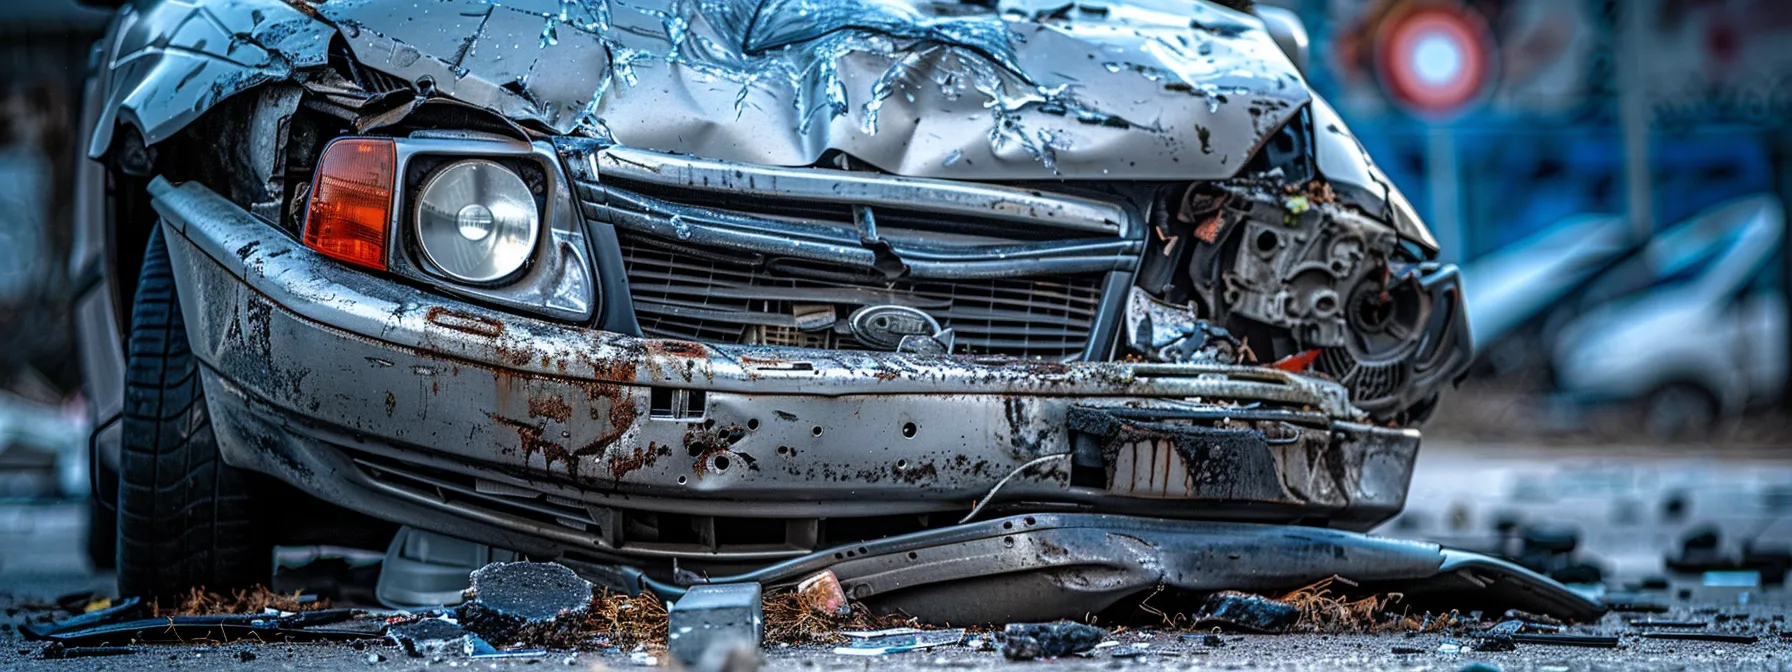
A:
[(1629, 508)]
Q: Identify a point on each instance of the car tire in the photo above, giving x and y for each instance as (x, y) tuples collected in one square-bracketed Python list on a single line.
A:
[(1681, 412), (185, 518)]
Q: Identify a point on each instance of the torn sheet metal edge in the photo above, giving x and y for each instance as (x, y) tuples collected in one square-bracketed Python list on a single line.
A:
[(1131, 554), (168, 62)]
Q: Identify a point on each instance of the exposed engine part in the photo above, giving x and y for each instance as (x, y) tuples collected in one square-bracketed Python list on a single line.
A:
[(1168, 333), (1292, 271), (1298, 259), (1405, 342)]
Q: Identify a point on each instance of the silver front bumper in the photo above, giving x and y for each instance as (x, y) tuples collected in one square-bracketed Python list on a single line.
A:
[(545, 437)]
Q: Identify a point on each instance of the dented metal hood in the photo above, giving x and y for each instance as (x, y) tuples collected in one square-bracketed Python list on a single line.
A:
[(1030, 89)]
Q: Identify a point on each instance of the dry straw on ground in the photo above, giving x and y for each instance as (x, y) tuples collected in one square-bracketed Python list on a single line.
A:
[(791, 619), (248, 601), (628, 620), (1322, 610)]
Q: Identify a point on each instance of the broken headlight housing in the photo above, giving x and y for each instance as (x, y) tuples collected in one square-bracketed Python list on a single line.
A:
[(484, 218)]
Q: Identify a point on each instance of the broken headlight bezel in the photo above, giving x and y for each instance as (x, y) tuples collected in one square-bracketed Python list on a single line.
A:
[(556, 280)]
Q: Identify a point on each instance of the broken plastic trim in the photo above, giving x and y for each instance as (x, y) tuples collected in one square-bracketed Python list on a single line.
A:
[(1048, 566)]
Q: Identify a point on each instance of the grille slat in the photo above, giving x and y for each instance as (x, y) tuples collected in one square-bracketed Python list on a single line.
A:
[(723, 252), (699, 296)]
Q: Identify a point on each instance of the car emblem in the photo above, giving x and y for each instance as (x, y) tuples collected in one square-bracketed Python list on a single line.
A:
[(883, 327)]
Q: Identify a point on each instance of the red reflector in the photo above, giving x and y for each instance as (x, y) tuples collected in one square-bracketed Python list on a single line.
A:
[(351, 201)]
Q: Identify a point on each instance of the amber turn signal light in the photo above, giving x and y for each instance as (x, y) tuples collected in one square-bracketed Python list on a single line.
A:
[(351, 201)]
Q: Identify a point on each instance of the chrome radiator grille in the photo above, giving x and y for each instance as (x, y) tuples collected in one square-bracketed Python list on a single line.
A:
[(680, 292), (724, 252)]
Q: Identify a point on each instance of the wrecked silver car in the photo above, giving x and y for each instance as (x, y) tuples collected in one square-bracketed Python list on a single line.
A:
[(1047, 300)]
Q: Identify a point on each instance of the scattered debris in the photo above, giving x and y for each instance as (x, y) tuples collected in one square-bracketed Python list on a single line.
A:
[(642, 658), (792, 618), (1131, 650), (1245, 611), (1496, 642), (300, 627), (428, 637), (1703, 637), (123, 610), (1652, 623), (526, 602), (1556, 639), (821, 592), (473, 646), (897, 640), (254, 600), (1027, 641), (1635, 606), (56, 651), (712, 622)]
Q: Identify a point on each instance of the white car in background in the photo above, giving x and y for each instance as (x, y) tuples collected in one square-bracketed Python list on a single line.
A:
[(1694, 324)]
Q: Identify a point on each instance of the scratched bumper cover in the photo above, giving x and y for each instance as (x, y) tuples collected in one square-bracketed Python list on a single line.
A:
[(543, 437)]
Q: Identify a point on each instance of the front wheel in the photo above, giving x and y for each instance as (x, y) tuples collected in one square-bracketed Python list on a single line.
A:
[(1682, 412), (185, 518)]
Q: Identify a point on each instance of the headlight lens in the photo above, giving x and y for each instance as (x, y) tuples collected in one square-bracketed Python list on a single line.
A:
[(477, 221)]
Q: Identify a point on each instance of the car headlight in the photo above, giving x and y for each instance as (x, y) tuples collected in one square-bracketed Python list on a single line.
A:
[(477, 221), (482, 218)]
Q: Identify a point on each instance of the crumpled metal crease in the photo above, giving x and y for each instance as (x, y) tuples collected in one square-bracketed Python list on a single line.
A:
[(173, 60), (1029, 90)]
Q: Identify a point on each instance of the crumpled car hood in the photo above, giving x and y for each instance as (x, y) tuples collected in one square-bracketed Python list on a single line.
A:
[(1031, 89)]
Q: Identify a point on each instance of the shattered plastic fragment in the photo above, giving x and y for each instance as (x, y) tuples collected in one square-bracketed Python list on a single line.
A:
[(1168, 333), (1249, 612), (821, 592), (897, 640), (1027, 641)]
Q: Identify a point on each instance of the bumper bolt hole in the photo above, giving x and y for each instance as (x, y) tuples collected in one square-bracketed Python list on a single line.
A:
[(902, 464), (912, 555), (681, 480), (1009, 525), (1008, 542), (816, 430), (721, 463), (908, 430), (784, 451), (1029, 521), (753, 424)]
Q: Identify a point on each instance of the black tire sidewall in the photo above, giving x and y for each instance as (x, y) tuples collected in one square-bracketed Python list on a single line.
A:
[(186, 519)]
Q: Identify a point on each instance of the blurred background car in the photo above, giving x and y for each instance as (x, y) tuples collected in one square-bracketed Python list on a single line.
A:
[(1691, 324)]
